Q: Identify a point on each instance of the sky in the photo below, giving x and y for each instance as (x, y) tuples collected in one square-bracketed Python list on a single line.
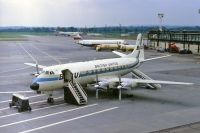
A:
[(90, 13)]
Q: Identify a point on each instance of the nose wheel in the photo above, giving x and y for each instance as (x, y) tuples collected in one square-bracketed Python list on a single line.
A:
[(50, 100)]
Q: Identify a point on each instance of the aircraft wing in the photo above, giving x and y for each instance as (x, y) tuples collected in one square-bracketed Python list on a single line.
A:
[(143, 81), (123, 55), (146, 81), (155, 58), (34, 65), (127, 83)]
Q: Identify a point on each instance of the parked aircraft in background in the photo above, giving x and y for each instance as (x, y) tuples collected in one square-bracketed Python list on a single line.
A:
[(94, 34), (70, 34), (77, 37), (105, 73), (104, 44), (94, 43)]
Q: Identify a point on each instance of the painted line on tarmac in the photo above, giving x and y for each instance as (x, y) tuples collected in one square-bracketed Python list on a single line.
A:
[(58, 61), (30, 103), (40, 117), (28, 53), (4, 116), (44, 100), (27, 96), (69, 120)]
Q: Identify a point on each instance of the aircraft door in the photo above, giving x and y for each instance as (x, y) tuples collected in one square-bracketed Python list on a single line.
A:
[(67, 75)]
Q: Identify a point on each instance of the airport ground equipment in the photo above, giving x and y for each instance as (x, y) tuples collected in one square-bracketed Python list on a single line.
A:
[(21, 102), (185, 51), (173, 48), (73, 91), (160, 49)]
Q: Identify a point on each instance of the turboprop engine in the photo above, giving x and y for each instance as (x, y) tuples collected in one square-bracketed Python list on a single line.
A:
[(124, 84), (102, 85), (128, 84)]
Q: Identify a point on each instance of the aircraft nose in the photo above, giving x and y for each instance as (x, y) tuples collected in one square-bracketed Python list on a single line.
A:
[(34, 86)]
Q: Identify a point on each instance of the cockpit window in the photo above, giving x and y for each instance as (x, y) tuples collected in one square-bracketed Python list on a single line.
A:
[(51, 73), (47, 72)]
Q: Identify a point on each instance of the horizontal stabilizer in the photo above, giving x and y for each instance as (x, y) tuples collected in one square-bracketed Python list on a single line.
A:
[(34, 65), (118, 53), (160, 82)]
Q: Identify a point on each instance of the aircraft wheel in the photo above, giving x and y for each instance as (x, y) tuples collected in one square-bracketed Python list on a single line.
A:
[(29, 108), (10, 105), (50, 100), (19, 109)]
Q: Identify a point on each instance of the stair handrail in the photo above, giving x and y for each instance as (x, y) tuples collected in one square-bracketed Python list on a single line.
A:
[(73, 92), (81, 90)]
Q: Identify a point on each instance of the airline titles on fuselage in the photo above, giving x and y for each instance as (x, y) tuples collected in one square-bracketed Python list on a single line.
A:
[(106, 65)]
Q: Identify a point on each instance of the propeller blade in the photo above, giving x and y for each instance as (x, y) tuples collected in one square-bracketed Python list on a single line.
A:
[(97, 82), (37, 69)]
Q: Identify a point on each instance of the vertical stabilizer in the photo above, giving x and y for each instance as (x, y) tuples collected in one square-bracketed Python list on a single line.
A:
[(138, 52)]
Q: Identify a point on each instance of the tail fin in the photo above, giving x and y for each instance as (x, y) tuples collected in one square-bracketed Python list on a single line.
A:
[(138, 52)]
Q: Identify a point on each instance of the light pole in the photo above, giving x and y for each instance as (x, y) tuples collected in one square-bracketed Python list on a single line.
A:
[(160, 17), (199, 43), (120, 29)]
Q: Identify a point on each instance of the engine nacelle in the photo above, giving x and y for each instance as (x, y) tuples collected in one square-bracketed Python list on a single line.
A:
[(102, 85), (129, 84)]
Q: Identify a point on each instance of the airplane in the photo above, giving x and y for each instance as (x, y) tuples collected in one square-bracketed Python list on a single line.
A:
[(103, 44), (77, 37), (94, 43), (103, 74), (70, 34), (94, 34)]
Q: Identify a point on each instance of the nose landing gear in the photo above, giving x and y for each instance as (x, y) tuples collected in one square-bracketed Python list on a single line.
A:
[(50, 99)]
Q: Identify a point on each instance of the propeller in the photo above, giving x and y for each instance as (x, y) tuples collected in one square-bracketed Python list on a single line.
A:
[(37, 69), (97, 82), (120, 83), (97, 87), (119, 87)]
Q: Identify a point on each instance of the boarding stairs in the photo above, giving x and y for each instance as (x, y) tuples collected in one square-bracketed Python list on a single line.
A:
[(78, 92), (73, 91), (140, 75)]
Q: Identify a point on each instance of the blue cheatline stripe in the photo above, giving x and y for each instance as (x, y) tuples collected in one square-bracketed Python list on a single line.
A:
[(86, 74), (46, 79)]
